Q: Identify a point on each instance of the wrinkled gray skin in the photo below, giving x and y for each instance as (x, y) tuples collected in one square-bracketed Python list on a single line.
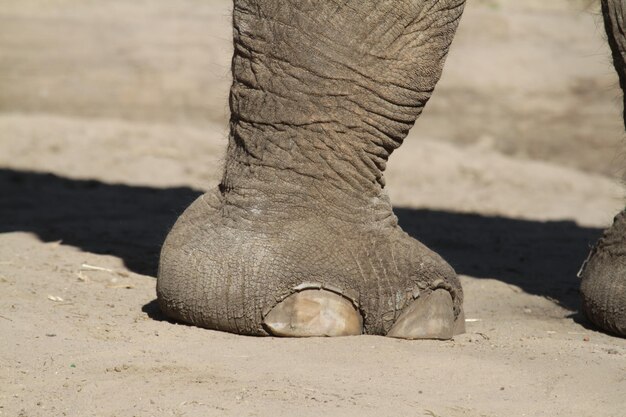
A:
[(603, 286), (323, 91)]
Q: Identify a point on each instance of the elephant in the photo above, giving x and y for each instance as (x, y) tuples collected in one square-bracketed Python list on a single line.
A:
[(299, 238)]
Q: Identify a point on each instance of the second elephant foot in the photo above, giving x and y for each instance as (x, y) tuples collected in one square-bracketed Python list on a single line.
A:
[(324, 313)]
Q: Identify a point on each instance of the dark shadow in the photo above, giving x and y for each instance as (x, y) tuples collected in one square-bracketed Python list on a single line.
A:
[(153, 311), (130, 222), (541, 258)]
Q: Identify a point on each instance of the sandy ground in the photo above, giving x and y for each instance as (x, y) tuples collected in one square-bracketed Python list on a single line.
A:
[(113, 118)]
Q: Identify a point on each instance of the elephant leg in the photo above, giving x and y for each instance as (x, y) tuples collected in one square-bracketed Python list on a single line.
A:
[(300, 239), (603, 286)]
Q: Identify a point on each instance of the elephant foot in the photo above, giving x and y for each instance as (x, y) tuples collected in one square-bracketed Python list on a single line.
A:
[(307, 276), (603, 286)]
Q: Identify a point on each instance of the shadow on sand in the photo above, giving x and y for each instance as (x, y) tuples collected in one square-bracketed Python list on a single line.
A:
[(130, 222)]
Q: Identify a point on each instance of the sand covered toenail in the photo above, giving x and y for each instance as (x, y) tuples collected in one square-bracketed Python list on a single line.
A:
[(314, 313)]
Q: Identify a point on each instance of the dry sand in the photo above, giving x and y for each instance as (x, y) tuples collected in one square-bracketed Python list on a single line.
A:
[(113, 118)]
